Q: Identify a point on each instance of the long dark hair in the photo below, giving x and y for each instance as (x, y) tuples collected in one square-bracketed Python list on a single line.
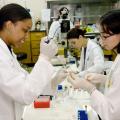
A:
[(110, 22), (14, 13), (60, 12)]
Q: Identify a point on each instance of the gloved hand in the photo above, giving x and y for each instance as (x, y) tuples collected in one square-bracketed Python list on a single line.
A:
[(59, 77), (95, 78), (80, 83), (48, 48)]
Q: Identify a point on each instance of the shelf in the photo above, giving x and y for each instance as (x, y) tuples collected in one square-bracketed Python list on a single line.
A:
[(92, 33)]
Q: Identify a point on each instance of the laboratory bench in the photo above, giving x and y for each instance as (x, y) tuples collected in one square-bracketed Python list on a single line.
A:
[(63, 106), (65, 109)]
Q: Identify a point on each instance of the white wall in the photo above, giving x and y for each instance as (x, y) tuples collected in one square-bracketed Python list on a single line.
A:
[(35, 6)]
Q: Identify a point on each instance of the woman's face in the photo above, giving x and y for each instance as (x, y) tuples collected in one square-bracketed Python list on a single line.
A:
[(18, 32), (76, 42), (109, 41)]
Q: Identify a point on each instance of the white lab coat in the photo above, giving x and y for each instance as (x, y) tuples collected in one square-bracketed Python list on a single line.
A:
[(17, 87), (108, 105), (94, 60), (55, 30)]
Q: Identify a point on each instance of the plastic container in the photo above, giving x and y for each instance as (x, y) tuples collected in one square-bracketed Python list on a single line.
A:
[(42, 102)]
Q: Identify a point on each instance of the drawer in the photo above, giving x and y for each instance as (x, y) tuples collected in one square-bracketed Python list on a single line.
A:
[(34, 59), (35, 44), (37, 35), (35, 51), (107, 52), (28, 38), (23, 48)]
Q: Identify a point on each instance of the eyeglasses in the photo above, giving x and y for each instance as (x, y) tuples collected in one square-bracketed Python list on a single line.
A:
[(104, 37)]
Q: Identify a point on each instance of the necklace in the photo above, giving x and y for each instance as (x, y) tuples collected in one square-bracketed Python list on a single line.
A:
[(113, 68)]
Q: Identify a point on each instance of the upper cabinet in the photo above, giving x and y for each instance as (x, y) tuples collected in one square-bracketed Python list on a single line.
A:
[(87, 10)]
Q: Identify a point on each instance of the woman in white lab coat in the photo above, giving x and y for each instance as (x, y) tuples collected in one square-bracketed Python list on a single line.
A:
[(55, 28), (107, 105), (92, 58), (17, 86)]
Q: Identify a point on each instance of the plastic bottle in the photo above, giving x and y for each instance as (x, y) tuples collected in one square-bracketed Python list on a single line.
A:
[(59, 95)]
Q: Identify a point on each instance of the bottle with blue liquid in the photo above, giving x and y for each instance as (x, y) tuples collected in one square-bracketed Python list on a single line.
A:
[(59, 93), (82, 115)]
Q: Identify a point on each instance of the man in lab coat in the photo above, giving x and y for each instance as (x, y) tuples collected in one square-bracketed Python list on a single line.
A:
[(92, 58)]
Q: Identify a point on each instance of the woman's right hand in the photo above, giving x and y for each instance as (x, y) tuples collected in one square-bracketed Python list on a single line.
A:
[(48, 48), (95, 78)]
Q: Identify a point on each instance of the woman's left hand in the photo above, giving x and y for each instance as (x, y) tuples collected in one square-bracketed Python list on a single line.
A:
[(59, 77)]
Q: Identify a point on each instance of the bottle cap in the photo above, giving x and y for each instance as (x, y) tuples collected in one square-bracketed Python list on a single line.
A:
[(59, 87)]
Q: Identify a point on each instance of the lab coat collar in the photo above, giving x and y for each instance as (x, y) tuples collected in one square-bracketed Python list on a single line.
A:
[(88, 48), (5, 48), (89, 44)]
